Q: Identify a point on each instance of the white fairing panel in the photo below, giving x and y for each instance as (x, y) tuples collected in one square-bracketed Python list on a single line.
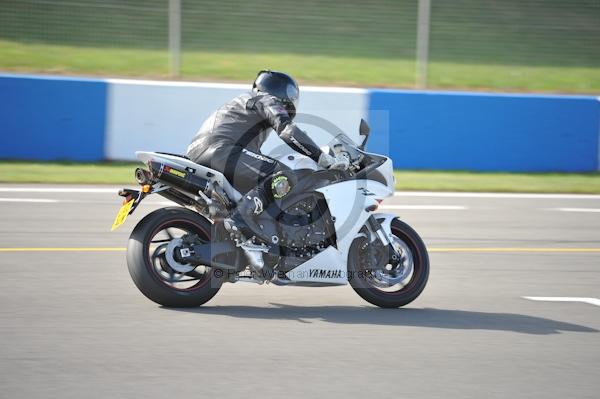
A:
[(387, 170), (327, 267), (296, 161), (348, 202)]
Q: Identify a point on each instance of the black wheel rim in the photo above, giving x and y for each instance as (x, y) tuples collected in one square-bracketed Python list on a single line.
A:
[(156, 261), (369, 277)]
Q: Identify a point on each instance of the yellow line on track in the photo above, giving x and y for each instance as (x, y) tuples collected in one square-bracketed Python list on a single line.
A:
[(463, 250)]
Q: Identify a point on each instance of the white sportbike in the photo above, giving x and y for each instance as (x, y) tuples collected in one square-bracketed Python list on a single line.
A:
[(326, 231)]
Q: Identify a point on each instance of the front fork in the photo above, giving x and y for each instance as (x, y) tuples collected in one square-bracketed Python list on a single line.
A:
[(377, 231)]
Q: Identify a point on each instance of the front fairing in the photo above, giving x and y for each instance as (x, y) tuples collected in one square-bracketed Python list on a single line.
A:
[(365, 165)]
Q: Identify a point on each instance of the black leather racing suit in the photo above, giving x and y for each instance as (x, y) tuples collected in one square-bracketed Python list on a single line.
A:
[(230, 139)]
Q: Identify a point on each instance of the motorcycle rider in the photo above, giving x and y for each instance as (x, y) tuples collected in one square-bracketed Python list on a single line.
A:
[(230, 139)]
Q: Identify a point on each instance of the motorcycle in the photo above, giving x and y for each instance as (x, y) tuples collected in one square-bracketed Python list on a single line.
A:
[(324, 232)]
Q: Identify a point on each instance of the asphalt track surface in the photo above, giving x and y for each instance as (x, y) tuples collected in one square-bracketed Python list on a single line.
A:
[(73, 325)]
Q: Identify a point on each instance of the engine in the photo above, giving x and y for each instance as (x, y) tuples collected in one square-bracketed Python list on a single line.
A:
[(306, 228)]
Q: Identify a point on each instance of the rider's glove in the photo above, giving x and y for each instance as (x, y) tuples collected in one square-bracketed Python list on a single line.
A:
[(340, 162)]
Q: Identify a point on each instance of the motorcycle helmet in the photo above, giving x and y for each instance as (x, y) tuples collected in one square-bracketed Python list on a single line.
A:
[(280, 85)]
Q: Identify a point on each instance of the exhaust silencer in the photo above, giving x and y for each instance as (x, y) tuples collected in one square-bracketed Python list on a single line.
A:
[(179, 177)]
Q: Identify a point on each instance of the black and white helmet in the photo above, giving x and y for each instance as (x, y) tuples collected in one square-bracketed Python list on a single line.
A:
[(280, 85)]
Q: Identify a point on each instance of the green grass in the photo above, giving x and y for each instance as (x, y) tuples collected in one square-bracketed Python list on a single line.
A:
[(580, 183), (501, 45), (122, 173), (67, 173), (491, 32), (308, 69), (506, 45)]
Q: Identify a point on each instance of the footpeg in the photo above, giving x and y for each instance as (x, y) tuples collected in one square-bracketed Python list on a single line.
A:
[(254, 254)]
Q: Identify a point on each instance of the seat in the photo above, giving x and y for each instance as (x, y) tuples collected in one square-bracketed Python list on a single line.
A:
[(172, 154)]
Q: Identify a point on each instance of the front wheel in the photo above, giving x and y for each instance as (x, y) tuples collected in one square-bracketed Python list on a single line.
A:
[(385, 283), (152, 264)]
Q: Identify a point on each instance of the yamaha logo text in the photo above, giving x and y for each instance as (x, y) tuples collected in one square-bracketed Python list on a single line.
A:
[(320, 273)]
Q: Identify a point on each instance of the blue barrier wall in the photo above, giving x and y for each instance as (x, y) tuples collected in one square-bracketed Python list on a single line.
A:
[(486, 132), (52, 118)]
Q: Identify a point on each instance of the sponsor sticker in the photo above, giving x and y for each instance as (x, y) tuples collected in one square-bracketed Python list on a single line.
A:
[(257, 156), (280, 186), (175, 172)]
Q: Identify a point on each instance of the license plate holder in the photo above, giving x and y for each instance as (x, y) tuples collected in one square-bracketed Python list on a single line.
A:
[(122, 214)]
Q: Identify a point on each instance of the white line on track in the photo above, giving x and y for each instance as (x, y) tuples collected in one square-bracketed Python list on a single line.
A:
[(72, 190), (591, 301), (431, 194), (424, 207), (592, 210), (41, 200)]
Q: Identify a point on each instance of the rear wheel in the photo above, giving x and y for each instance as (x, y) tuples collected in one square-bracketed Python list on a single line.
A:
[(382, 282), (154, 268)]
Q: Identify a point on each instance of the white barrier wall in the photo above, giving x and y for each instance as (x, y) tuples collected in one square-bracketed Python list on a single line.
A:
[(164, 116)]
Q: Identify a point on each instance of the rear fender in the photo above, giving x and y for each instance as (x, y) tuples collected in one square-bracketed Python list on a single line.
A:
[(129, 195)]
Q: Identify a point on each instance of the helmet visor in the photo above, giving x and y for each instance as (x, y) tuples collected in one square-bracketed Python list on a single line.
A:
[(293, 94)]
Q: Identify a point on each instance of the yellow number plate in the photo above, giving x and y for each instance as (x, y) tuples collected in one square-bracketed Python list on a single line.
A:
[(122, 215)]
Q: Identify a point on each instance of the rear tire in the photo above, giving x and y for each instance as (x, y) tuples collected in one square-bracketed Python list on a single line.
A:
[(358, 277), (141, 265)]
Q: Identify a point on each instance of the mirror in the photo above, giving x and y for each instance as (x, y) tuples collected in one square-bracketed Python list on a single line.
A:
[(364, 130)]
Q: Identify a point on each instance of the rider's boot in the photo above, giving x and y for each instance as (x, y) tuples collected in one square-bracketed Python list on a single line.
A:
[(241, 220), (242, 224), (243, 227)]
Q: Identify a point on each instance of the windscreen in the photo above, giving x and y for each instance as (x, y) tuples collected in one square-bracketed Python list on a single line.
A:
[(343, 143)]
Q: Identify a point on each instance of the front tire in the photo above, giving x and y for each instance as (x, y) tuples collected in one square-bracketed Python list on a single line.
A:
[(365, 284), (151, 272)]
